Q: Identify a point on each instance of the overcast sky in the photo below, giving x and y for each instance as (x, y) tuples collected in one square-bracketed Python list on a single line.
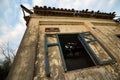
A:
[(12, 24)]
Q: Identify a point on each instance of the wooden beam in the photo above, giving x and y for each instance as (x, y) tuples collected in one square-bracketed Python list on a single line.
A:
[(25, 9)]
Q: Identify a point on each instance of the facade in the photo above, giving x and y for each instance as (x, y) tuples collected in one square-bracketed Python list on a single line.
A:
[(66, 44)]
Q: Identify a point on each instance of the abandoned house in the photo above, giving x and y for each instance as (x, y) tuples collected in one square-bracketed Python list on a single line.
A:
[(67, 44)]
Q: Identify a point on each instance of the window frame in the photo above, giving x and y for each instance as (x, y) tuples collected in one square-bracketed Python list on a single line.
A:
[(91, 53)]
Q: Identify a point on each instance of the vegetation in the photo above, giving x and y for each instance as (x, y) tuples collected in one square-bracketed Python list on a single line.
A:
[(8, 54), (4, 69)]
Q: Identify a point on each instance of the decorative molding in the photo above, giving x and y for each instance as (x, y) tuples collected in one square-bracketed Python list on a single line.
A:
[(60, 23), (103, 24)]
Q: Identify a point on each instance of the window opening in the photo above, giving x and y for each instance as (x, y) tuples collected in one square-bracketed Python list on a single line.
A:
[(75, 55), (78, 51)]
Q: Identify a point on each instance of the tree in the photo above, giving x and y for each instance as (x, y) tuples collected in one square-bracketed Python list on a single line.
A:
[(7, 51), (4, 69), (9, 55)]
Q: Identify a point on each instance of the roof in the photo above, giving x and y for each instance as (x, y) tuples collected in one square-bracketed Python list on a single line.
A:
[(52, 11)]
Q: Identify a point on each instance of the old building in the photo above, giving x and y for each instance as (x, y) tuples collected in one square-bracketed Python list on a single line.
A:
[(66, 44)]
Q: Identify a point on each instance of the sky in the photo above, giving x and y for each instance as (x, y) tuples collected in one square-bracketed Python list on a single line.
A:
[(12, 24)]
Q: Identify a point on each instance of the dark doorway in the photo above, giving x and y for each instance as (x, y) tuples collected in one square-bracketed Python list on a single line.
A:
[(75, 55)]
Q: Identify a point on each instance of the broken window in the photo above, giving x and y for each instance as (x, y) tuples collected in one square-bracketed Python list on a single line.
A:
[(79, 51), (75, 55), (83, 50)]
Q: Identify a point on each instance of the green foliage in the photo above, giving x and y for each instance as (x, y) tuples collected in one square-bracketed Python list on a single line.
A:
[(8, 53), (4, 69)]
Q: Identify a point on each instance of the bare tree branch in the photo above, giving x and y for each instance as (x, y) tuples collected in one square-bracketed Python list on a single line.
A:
[(7, 51)]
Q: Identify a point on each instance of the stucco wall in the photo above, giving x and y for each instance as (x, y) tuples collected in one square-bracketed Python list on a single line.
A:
[(105, 33)]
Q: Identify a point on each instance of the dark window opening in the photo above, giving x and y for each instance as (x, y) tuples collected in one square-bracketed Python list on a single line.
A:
[(118, 36), (75, 55), (78, 51)]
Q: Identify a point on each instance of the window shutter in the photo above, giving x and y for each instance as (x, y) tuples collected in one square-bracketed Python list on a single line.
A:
[(99, 54)]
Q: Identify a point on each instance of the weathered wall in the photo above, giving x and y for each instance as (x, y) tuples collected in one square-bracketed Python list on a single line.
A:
[(23, 67), (105, 31)]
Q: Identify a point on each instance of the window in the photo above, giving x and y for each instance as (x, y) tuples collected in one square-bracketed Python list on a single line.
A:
[(79, 51), (96, 49), (118, 36), (75, 55)]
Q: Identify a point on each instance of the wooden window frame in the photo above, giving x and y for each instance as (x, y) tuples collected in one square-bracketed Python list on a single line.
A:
[(91, 52), (87, 47)]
